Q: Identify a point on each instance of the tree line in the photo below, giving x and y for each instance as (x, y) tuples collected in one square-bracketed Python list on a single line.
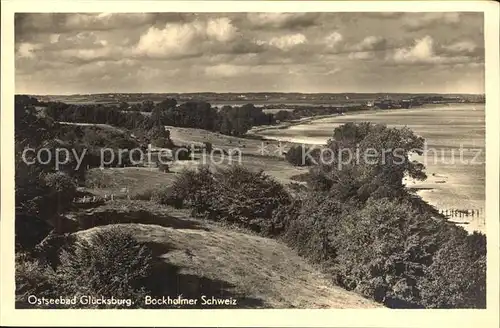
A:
[(228, 120)]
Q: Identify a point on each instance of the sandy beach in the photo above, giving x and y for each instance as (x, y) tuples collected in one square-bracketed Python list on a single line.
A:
[(454, 152)]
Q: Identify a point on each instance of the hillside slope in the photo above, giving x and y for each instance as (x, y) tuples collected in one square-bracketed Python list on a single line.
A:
[(204, 259)]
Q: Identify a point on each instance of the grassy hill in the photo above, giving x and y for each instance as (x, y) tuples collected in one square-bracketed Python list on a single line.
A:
[(212, 260)]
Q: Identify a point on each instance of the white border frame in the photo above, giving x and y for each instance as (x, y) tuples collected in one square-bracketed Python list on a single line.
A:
[(255, 318)]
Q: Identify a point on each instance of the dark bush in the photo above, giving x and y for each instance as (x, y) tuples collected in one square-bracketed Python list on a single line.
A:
[(195, 188), (310, 229), (457, 276), (39, 197), (181, 153), (390, 250), (248, 198), (234, 195), (62, 189), (30, 230), (385, 239), (33, 277), (299, 156), (283, 115), (167, 196), (108, 263)]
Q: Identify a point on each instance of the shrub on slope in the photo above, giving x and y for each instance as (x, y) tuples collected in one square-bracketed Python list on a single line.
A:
[(390, 251), (233, 195), (33, 277), (248, 198), (310, 227), (110, 263), (383, 249), (457, 276)]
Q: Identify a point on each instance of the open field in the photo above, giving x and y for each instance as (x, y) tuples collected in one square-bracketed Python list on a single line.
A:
[(249, 146), (265, 155), (139, 180), (454, 181)]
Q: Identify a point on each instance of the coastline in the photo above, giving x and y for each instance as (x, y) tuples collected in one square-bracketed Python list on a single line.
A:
[(287, 124), (441, 189)]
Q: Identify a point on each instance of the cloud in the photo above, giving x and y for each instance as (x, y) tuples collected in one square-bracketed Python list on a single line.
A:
[(363, 55), (425, 51), (221, 29), (333, 71), (282, 20), (29, 26), (237, 71), (465, 47), (225, 70), (173, 39), (333, 40), (370, 47), (86, 39), (287, 42), (27, 50), (383, 15), (178, 39), (54, 38), (106, 21), (417, 21), (370, 43), (421, 52), (236, 51), (91, 54)]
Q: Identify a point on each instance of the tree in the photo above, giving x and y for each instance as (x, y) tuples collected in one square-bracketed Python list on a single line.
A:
[(62, 190), (283, 115), (363, 160), (160, 137), (147, 106), (235, 120), (41, 193), (383, 249), (123, 106), (157, 117), (168, 103)]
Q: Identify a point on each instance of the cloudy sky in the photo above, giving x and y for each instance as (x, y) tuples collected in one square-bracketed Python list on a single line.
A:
[(237, 52)]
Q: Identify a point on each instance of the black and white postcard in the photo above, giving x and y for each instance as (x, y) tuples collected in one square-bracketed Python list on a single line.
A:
[(256, 157)]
